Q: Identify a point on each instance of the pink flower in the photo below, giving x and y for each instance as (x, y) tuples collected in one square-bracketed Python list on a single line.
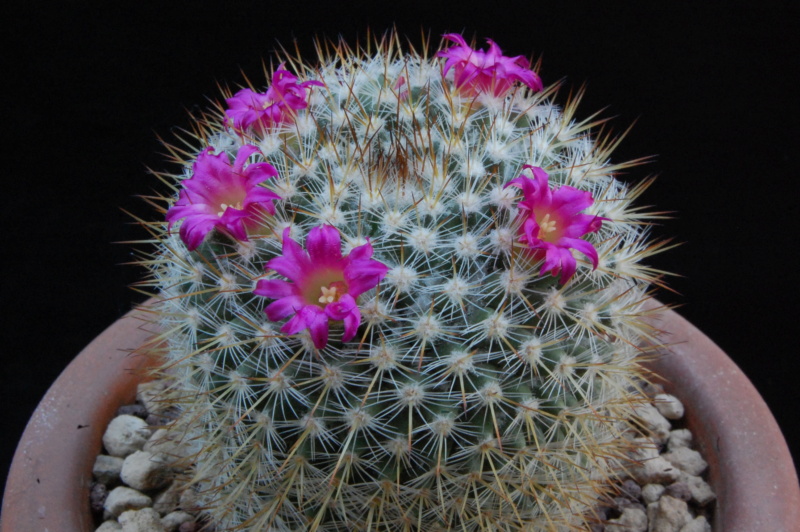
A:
[(477, 72), (324, 284), (552, 224), (222, 195), (277, 106)]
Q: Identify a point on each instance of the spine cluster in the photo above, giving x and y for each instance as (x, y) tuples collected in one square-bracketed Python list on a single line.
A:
[(419, 309)]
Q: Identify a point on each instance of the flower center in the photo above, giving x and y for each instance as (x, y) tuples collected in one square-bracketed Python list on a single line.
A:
[(267, 104), (224, 206), (332, 292), (547, 225), (324, 287)]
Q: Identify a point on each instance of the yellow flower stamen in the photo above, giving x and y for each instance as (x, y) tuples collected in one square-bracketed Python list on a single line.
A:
[(329, 294), (547, 225), (224, 206)]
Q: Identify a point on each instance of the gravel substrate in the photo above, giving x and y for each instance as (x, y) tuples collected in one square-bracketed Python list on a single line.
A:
[(135, 489)]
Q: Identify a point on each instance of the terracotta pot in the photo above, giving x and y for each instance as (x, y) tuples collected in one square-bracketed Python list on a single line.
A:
[(48, 483), (750, 465)]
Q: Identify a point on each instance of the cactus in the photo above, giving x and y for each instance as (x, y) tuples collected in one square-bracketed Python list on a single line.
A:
[(401, 291)]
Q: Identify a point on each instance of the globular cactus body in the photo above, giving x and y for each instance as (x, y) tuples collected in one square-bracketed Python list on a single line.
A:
[(452, 283)]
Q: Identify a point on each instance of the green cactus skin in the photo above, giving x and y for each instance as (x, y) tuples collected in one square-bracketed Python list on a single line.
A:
[(477, 395)]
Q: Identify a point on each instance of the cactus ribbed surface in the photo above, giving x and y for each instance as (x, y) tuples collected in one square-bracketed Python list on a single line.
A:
[(475, 382)]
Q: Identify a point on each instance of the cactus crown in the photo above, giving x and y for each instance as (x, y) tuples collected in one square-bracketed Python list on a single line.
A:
[(401, 292)]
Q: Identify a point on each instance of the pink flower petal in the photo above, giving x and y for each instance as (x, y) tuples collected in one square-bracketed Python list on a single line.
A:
[(340, 309), (313, 319), (274, 288), (364, 275), (294, 263), (324, 245), (284, 307)]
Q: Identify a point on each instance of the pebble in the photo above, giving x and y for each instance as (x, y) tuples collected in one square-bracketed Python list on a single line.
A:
[(687, 460), (679, 438), (144, 520), (650, 467), (701, 492), (147, 395), (123, 498), (698, 524), (97, 497), (652, 492), (107, 469), (631, 520), (631, 489), (125, 435), (168, 444), (109, 526), (668, 406), (679, 490), (654, 422), (173, 520), (668, 515), (168, 500), (190, 501), (145, 471)]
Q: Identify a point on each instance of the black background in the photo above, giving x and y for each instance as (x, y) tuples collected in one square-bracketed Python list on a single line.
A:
[(712, 87)]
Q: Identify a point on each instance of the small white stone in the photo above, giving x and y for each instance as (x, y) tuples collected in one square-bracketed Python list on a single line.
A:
[(656, 471), (173, 520), (652, 492), (168, 444), (168, 500), (631, 520), (144, 520), (650, 468), (698, 524), (109, 526), (106, 469), (668, 514), (701, 492), (125, 435), (123, 498), (679, 438), (669, 406), (190, 501), (687, 460), (654, 422), (149, 395), (144, 471)]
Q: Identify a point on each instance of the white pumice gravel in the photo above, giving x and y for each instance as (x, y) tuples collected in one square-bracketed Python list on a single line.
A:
[(123, 498), (125, 435), (664, 490), (145, 471), (109, 526), (654, 422), (144, 520), (668, 406), (107, 469)]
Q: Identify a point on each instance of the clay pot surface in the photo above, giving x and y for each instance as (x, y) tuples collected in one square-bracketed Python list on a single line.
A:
[(50, 476), (750, 466)]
